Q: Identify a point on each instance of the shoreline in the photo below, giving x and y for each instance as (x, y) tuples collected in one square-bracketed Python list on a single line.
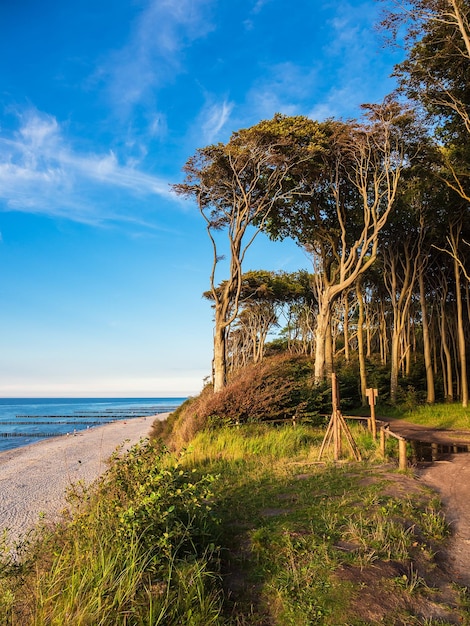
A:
[(34, 478)]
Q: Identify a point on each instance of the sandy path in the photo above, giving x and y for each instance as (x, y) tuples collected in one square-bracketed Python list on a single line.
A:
[(452, 481), (34, 478)]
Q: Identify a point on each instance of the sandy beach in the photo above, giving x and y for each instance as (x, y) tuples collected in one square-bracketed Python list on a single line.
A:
[(34, 478)]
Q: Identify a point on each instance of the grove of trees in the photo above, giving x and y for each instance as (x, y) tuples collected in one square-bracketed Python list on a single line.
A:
[(381, 207)]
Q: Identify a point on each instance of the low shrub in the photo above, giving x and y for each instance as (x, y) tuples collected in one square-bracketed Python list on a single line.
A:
[(279, 388), (136, 539)]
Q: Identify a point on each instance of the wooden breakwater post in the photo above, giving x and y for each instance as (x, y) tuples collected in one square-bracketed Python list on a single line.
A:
[(337, 428)]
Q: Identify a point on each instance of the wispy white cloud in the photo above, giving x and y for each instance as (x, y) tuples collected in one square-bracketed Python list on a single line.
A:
[(352, 28), (345, 73), (338, 102), (257, 8), (40, 172), (259, 5), (213, 119), (357, 72), (155, 50)]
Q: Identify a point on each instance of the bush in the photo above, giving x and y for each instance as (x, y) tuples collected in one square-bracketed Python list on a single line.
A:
[(280, 387), (153, 497)]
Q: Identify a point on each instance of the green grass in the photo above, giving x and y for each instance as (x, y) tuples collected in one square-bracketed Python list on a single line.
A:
[(289, 525), (244, 528), (451, 416), (259, 440), (137, 551)]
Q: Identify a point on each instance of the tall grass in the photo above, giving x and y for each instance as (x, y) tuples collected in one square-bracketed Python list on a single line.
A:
[(135, 542), (241, 529), (434, 415), (253, 440)]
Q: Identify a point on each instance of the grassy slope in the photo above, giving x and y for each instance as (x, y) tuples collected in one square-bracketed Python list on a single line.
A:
[(241, 526), (244, 528), (304, 543), (448, 416)]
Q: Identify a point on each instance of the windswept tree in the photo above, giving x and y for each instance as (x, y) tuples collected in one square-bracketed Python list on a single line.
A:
[(436, 75), (265, 298), (339, 211), (236, 186)]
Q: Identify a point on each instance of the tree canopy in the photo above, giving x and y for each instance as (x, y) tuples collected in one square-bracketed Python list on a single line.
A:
[(380, 204)]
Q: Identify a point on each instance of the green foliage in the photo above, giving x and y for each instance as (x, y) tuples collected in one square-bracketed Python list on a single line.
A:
[(139, 550), (160, 502), (278, 388), (298, 541)]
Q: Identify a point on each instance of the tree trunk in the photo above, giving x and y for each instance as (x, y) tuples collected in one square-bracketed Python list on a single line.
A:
[(407, 348), (360, 344), (461, 338), (220, 363), (383, 336), (395, 365), (430, 396), (449, 381), (329, 351), (346, 326), (323, 319)]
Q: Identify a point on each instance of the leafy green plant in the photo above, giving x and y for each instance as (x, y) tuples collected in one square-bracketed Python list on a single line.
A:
[(242, 529), (144, 533)]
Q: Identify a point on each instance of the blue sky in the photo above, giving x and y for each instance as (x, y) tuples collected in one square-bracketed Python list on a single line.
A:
[(101, 103)]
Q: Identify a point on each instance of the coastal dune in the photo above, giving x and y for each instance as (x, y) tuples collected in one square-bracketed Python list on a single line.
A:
[(34, 478)]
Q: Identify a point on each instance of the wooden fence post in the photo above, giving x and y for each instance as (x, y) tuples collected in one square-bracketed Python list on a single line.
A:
[(402, 462), (337, 427), (382, 442), (372, 398)]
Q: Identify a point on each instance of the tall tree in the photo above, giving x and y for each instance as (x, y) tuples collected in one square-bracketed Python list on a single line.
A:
[(401, 265), (339, 212), (263, 297), (236, 186), (436, 75)]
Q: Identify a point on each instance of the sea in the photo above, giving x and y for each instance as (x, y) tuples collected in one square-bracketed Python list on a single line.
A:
[(26, 420)]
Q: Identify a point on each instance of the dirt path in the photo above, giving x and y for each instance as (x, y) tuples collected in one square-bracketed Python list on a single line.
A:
[(450, 477), (429, 435)]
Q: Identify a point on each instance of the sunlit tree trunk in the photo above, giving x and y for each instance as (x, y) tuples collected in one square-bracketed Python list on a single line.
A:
[(430, 391), (461, 338), (360, 343), (444, 335), (383, 336), (219, 365), (329, 368), (394, 368), (346, 327), (321, 331)]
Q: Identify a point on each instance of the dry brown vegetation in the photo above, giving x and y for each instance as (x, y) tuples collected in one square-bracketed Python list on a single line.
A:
[(281, 387)]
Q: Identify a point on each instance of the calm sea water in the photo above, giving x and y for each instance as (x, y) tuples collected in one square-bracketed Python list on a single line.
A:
[(27, 420)]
